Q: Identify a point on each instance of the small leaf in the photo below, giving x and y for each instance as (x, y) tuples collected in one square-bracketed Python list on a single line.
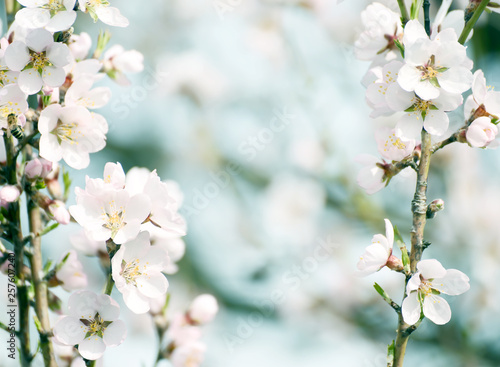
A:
[(391, 349), (380, 291), (67, 184), (401, 47), (48, 229), (434, 82)]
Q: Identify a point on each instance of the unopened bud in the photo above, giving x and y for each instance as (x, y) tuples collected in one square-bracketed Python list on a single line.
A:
[(38, 167), (394, 263), (58, 210), (434, 207), (52, 182), (203, 309)]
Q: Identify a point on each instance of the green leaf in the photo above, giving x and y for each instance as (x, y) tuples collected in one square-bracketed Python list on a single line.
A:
[(48, 229), (404, 252), (67, 184), (382, 293)]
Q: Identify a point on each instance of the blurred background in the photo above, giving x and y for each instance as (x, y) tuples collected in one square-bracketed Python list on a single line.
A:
[(255, 107)]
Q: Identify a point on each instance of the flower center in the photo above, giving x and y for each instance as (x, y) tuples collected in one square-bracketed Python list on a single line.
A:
[(132, 270), (67, 132), (96, 3), (8, 109), (394, 142), (430, 71), (54, 6), (39, 60), (425, 288), (94, 325), (114, 218)]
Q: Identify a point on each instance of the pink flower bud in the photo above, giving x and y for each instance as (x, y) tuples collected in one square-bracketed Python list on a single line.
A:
[(203, 309), (38, 167), (8, 194), (58, 210), (394, 263)]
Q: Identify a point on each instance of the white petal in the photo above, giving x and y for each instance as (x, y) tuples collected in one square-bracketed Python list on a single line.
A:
[(69, 330), (476, 136), (455, 80), (30, 81), (409, 77), (111, 16), (398, 99), (411, 309), (135, 301), (389, 232), (53, 76), (431, 268), (413, 283), (115, 333), (17, 56), (152, 286), (58, 54), (33, 17), (409, 126), (61, 21), (437, 309), (436, 122), (39, 39), (426, 90), (92, 348), (414, 31), (479, 86), (453, 283)]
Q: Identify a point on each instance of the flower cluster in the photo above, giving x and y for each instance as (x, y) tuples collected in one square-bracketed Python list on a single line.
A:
[(418, 79)]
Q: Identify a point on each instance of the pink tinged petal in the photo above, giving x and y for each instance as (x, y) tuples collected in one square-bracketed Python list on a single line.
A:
[(33, 17), (455, 80), (69, 330), (436, 122), (479, 89), (30, 81), (426, 91), (115, 333), (409, 126), (453, 283), (413, 283), (53, 76), (61, 21), (58, 54), (411, 309), (437, 309), (476, 137), (389, 232), (39, 39), (431, 268), (92, 348), (50, 148), (409, 77), (17, 56), (153, 286), (111, 16), (373, 259), (135, 301)]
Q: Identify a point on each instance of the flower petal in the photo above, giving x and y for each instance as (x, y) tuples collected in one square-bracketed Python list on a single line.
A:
[(115, 333), (411, 309), (69, 330), (437, 309), (92, 348), (453, 283), (431, 268)]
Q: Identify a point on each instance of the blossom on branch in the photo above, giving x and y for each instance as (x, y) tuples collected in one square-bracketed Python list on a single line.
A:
[(425, 286), (53, 15)]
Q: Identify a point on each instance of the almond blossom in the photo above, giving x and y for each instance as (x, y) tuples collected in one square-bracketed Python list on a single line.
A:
[(71, 273), (433, 65), (190, 354), (92, 323), (100, 9), (203, 309), (53, 15), (118, 62), (483, 98), (393, 147), (382, 27), (40, 61), (425, 286), (69, 133), (379, 253), (376, 92), (481, 133), (372, 176), (137, 271), (12, 101)]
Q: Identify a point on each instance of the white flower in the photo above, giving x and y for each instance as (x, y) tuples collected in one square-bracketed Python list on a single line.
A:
[(382, 27), (71, 274), (81, 94), (40, 59), (117, 62), (92, 323), (137, 271), (481, 132), (165, 200), (483, 97), (79, 45), (86, 245), (376, 255), (69, 133), (376, 92), (54, 15), (109, 213), (7, 76), (433, 65), (100, 9), (423, 291), (203, 309), (371, 177), (188, 355), (174, 246), (392, 147), (429, 114), (12, 101)]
